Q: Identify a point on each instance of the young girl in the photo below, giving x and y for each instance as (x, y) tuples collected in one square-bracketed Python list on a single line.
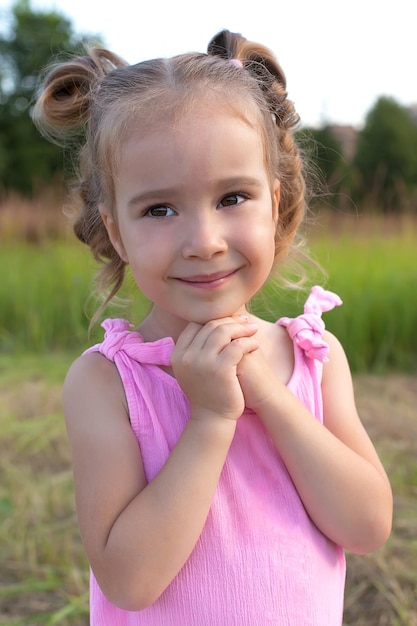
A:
[(220, 468)]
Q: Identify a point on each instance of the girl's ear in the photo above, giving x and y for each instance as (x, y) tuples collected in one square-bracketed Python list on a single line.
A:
[(276, 195), (113, 233)]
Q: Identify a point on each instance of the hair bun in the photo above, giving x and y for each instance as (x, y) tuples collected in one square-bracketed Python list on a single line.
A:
[(64, 102)]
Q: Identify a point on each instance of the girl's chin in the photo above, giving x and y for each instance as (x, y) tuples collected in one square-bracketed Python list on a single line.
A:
[(205, 320)]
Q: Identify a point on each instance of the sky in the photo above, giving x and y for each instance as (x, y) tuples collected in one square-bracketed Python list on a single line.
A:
[(338, 57)]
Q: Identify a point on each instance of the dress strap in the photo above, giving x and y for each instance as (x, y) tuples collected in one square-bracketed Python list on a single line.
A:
[(119, 337), (307, 330)]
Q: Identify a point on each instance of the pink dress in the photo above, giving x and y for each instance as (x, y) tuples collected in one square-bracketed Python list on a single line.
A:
[(260, 560)]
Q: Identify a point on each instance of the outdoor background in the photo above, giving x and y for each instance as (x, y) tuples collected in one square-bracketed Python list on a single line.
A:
[(363, 232)]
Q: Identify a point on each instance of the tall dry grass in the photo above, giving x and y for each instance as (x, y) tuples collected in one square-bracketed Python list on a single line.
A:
[(34, 220)]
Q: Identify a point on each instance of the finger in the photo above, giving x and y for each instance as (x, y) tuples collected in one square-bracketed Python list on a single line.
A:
[(208, 329), (222, 335), (234, 352), (193, 330), (188, 335), (196, 334), (197, 343)]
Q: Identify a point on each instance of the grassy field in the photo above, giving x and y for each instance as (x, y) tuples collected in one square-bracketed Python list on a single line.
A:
[(44, 311), (45, 303)]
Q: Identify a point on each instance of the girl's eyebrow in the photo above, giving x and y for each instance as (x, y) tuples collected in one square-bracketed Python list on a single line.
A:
[(230, 182), (152, 194), (241, 181)]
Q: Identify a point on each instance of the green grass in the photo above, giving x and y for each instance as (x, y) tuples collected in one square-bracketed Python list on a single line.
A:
[(47, 297), (377, 279), (43, 296), (45, 301)]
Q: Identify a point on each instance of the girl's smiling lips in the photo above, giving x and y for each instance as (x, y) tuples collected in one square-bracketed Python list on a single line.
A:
[(206, 281)]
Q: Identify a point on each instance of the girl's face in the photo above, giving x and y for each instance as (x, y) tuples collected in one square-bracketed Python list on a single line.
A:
[(196, 217)]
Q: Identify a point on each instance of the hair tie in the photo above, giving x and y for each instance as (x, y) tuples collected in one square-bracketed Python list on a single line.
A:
[(236, 62)]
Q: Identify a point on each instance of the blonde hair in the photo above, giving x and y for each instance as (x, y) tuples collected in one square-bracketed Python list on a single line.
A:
[(93, 100)]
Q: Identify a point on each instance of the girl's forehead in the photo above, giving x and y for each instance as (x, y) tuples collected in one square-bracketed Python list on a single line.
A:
[(177, 120), (181, 119)]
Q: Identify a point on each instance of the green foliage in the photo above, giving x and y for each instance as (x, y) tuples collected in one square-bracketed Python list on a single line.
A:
[(34, 38), (321, 145), (382, 171), (387, 154), (328, 167)]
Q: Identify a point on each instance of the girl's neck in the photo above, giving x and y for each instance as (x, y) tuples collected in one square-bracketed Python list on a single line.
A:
[(159, 324), (155, 326)]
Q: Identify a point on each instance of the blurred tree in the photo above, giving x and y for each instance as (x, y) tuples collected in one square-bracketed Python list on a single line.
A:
[(327, 152), (329, 165), (386, 157), (32, 39)]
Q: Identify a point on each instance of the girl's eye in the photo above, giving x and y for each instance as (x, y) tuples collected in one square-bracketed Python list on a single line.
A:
[(232, 199), (160, 211)]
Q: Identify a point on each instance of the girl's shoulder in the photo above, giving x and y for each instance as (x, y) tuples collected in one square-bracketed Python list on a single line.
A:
[(91, 377), (90, 366), (304, 333)]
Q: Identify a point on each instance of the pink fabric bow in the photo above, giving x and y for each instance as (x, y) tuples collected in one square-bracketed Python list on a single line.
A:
[(307, 330), (119, 336)]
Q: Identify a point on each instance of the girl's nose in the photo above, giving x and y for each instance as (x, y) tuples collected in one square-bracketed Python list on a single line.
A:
[(204, 238)]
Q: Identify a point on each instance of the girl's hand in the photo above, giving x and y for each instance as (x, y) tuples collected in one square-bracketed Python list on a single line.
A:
[(258, 382), (205, 362)]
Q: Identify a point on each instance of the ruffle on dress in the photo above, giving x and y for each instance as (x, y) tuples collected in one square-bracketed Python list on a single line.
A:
[(307, 330)]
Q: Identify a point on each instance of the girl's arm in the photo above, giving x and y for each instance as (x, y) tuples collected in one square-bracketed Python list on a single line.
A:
[(334, 466), (136, 535)]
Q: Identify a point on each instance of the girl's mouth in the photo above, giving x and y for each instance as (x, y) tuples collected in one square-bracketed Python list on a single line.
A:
[(207, 281)]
